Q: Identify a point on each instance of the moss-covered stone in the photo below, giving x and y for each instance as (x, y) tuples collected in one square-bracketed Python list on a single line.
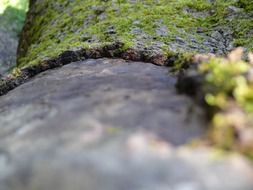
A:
[(160, 27)]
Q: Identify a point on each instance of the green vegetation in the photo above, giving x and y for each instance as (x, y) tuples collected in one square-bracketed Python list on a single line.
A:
[(12, 15), (228, 87), (62, 25), (245, 4), (18, 4)]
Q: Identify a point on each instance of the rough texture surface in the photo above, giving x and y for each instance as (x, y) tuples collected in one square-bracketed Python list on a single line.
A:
[(116, 93), (108, 124), (111, 124), (153, 26)]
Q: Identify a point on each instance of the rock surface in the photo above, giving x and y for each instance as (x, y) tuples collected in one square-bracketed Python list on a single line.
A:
[(11, 22), (108, 124), (152, 27), (8, 46)]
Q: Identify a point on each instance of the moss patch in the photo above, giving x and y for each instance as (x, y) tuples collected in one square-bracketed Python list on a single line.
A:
[(226, 88), (245, 4), (53, 27)]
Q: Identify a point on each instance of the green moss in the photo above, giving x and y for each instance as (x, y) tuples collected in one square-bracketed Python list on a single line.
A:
[(245, 4), (61, 25), (182, 61), (228, 87)]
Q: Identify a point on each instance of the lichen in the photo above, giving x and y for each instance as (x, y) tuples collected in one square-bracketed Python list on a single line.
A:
[(162, 26)]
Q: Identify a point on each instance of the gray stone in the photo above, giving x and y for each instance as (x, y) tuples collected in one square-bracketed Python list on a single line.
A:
[(196, 13), (108, 124), (8, 46), (136, 31), (162, 31), (102, 16), (111, 30), (233, 9)]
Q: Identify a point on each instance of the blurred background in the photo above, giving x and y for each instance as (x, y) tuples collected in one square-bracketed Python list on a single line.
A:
[(12, 17)]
